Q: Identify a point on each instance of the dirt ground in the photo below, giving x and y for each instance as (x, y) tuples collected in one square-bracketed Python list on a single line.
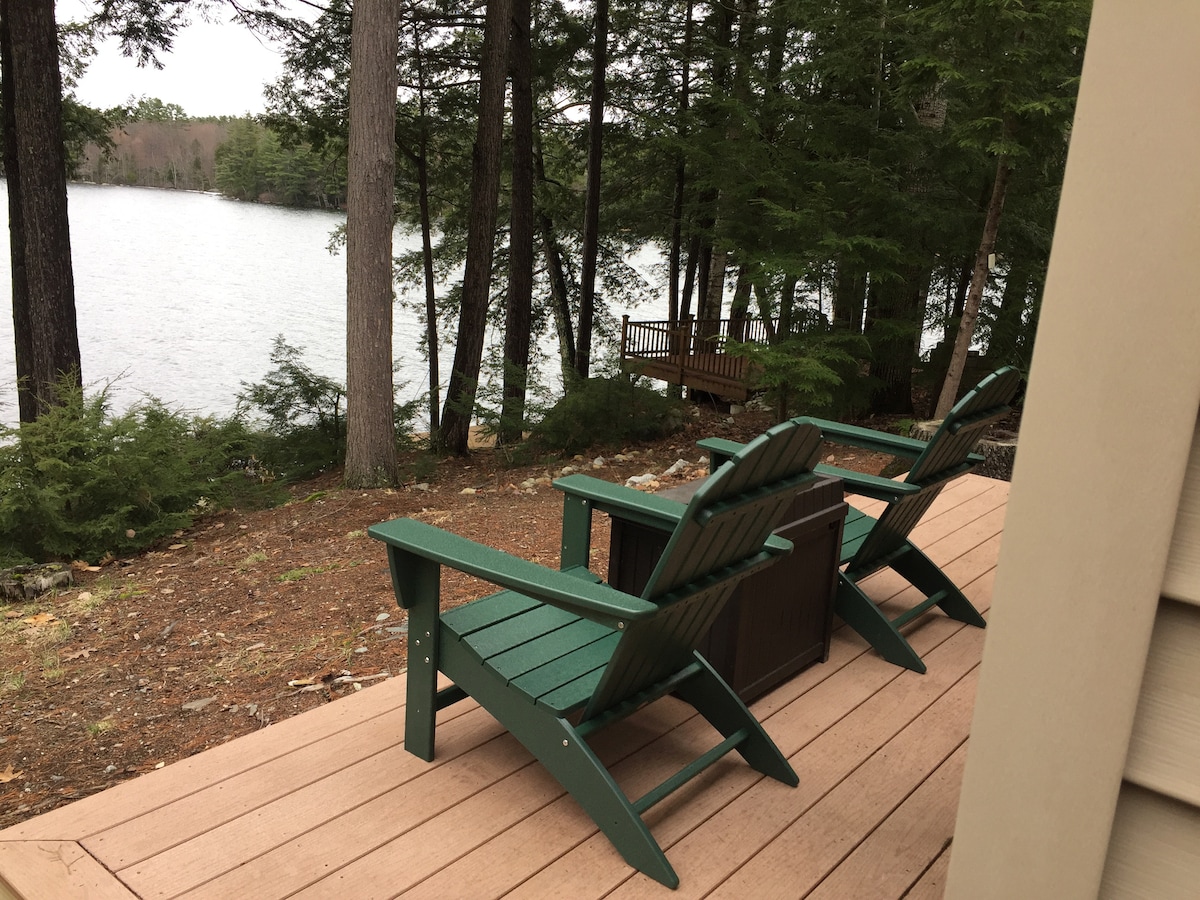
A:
[(251, 617)]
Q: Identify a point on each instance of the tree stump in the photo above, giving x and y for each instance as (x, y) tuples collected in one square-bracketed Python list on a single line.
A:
[(23, 583)]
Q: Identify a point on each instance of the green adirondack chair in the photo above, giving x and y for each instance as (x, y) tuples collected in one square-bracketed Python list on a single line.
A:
[(558, 655), (870, 544)]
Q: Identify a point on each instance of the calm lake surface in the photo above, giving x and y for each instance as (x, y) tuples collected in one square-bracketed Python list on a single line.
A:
[(180, 295)]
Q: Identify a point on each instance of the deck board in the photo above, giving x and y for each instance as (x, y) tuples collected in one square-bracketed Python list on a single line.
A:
[(328, 803)]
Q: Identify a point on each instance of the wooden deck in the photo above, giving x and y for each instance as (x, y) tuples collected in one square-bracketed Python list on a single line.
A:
[(328, 803), (692, 352)]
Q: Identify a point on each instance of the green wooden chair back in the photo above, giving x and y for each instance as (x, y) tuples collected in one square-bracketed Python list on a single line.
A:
[(944, 458), (718, 541)]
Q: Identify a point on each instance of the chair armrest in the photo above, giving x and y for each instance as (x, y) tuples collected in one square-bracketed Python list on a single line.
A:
[(623, 502), (872, 486), (869, 439), (567, 590), (719, 451)]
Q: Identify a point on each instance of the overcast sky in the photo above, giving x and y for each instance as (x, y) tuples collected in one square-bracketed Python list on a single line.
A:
[(215, 69)]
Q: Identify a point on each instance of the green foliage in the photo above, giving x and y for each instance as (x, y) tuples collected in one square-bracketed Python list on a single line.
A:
[(80, 482), (817, 372), (303, 416), (254, 162), (606, 412)]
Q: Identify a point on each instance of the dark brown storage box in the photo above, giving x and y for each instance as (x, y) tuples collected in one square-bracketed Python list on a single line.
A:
[(778, 620)]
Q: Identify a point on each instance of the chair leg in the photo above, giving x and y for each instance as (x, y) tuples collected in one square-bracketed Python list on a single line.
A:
[(556, 744), (861, 614), (421, 580), (709, 694), (925, 575)]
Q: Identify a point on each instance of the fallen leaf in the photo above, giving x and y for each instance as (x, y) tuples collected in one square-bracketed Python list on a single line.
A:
[(177, 547), (43, 618), (12, 614), (81, 654), (197, 705), (9, 775)]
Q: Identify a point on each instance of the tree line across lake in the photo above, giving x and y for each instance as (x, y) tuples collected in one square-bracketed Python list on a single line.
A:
[(236, 156)]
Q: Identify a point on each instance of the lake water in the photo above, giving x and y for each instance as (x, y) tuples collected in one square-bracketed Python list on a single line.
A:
[(180, 295)]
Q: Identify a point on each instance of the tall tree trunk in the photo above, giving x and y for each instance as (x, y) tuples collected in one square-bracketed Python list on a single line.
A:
[(849, 294), (431, 318), (893, 329), (714, 293), (591, 210), (518, 315), (689, 277), (739, 306), (787, 305), (681, 130), (560, 299), (711, 268), (481, 229), (46, 335), (1008, 329), (22, 329), (370, 195), (966, 326)]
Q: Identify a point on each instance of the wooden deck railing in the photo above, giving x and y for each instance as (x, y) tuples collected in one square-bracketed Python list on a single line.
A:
[(692, 352)]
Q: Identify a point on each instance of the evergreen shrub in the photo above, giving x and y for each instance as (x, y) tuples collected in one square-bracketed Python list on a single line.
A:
[(301, 416), (604, 413), (816, 372), (82, 483)]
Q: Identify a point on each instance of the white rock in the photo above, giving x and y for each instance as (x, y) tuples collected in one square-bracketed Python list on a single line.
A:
[(676, 467)]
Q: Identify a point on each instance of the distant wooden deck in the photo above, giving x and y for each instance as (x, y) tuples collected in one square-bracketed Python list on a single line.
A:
[(328, 803), (692, 353)]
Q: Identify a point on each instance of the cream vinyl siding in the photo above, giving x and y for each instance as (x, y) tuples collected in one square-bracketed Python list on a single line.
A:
[(1182, 581), (1155, 846)]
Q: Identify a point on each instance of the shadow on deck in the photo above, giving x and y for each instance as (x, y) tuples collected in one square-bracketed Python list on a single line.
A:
[(328, 803)]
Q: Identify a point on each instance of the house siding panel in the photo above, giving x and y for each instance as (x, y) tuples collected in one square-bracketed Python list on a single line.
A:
[(1155, 848), (1164, 751), (1182, 580)]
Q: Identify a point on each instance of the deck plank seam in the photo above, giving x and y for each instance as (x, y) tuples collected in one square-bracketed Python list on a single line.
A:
[(883, 745), (286, 751), (267, 801), (339, 813), (801, 810), (973, 672)]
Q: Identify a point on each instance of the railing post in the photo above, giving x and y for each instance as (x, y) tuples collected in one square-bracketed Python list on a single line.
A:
[(685, 351), (624, 338)]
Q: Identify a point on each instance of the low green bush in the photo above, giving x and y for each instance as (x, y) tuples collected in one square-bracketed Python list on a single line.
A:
[(815, 372), (301, 416), (606, 413), (82, 483)]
